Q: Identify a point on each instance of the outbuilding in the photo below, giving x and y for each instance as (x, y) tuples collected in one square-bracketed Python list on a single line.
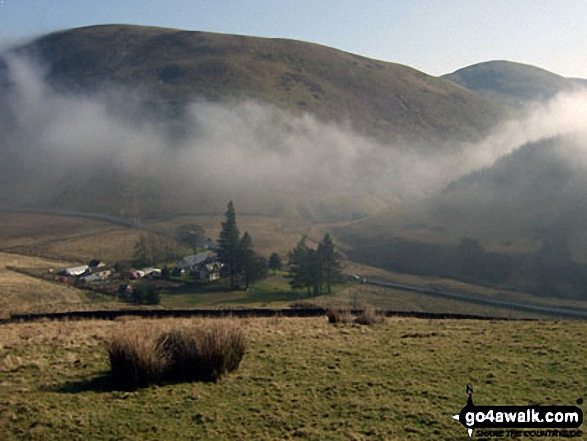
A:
[(77, 271)]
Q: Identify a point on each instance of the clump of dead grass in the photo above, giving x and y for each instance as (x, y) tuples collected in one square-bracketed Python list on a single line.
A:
[(135, 359), (341, 316), (139, 358), (201, 354), (369, 316)]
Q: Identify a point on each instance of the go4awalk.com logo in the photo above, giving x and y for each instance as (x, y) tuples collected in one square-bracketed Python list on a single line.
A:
[(506, 421)]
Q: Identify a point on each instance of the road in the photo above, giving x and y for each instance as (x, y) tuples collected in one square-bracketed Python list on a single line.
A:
[(558, 311)]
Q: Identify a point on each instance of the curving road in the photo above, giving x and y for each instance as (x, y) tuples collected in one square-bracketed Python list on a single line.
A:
[(558, 311)]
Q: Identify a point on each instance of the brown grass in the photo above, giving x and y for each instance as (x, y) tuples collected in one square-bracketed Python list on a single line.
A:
[(22, 293), (135, 360), (139, 358), (341, 316), (369, 316)]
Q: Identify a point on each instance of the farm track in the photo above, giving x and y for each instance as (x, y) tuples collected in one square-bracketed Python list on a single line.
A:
[(568, 313), (92, 216), (17, 249)]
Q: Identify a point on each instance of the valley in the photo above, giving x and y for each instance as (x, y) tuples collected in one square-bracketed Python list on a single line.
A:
[(383, 193)]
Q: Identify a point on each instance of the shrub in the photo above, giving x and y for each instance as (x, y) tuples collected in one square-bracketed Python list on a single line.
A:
[(181, 354), (369, 317), (342, 316)]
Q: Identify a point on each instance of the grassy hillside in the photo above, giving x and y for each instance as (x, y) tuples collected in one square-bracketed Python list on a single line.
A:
[(300, 378), (380, 99), (517, 223), (513, 82), (22, 293), (80, 240), (64, 241)]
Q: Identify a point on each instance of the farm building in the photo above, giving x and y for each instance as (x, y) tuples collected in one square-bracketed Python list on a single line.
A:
[(193, 262), (210, 271), (76, 270), (154, 272), (136, 274), (102, 272), (92, 278)]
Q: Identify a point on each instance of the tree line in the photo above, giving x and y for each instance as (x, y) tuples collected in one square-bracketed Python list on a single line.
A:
[(315, 269), (549, 271), (241, 264)]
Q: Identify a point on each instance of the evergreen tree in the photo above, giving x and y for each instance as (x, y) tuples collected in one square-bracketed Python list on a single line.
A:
[(250, 265), (315, 273), (229, 245), (329, 262), (301, 260), (275, 262), (312, 269)]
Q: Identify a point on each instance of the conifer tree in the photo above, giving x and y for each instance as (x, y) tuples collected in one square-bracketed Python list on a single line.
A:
[(304, 268), (275, 262), (229, 245), (252, 266), (311, 269), (329, 262)]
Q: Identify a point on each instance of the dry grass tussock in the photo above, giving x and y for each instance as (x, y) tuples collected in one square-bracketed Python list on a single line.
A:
[(342, 316), (139, 358), (368, 316)]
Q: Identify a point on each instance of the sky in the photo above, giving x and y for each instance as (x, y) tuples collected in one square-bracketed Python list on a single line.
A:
[(434, 36)]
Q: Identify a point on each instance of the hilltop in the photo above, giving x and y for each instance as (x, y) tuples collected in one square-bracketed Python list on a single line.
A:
[(385, 100), (513, 82)]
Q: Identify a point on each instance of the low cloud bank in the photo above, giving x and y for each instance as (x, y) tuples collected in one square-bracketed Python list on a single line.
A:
[(235, 148)]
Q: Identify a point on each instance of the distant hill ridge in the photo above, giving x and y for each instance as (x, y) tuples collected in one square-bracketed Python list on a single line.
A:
[(513, 81), (172, 68), (385, 100)]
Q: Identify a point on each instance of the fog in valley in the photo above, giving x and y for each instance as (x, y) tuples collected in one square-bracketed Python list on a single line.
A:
[(81, 150)]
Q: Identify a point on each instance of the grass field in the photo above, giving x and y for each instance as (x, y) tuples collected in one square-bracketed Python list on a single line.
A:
[(80, 240), (64, 238), (383, 297), (275, 293), (21, 293), (300, 378), (24, 293)]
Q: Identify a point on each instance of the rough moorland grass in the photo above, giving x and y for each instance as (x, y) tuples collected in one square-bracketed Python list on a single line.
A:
[(139, 358), (367, 316), (135, 359), (22, 293), (301, 378), (202, 354), (340, 316)]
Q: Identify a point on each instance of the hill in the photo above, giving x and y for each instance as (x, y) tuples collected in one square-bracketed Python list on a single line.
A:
[(380, 99), (513, 82), (516, 223), (115, 118)]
